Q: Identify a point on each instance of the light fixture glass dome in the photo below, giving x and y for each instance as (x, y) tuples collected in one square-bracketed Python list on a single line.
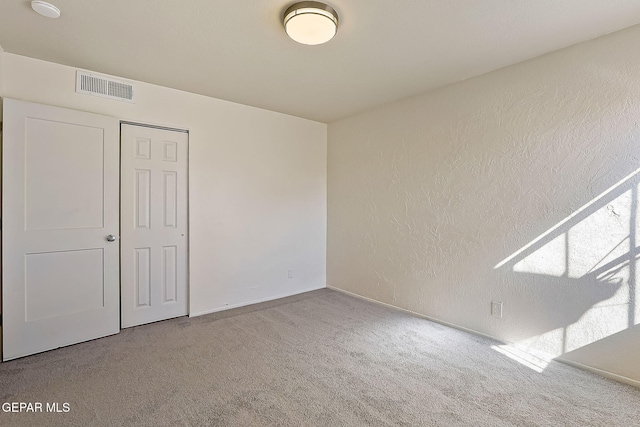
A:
[(311, 22)]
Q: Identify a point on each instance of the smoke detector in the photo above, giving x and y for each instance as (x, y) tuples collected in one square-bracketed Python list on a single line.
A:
[(45, 9)]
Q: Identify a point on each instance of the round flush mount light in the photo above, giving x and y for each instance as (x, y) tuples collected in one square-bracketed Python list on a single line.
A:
[(45, 9), (310, 22)]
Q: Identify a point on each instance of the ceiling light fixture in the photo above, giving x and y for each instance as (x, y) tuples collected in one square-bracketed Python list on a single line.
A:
[(45, 9), (310, 22)]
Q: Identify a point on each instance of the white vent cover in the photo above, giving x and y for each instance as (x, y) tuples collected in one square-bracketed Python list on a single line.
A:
[(103, 86)]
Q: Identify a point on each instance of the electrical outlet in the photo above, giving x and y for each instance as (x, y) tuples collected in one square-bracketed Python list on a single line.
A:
[(496, 309), (290, 273)]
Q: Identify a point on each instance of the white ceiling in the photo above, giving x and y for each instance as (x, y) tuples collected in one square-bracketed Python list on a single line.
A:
[(237, 50)]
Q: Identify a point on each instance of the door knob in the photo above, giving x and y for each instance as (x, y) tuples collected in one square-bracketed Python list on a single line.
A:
[(111, 238)]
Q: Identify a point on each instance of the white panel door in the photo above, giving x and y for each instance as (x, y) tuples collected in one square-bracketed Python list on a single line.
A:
[(60, 201), (153, 224)]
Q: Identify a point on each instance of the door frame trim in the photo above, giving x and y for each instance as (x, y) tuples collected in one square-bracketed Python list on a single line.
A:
[(144, 125)]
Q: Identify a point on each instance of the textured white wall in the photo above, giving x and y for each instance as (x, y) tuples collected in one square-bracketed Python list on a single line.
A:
[(257, 198), (432, 200)]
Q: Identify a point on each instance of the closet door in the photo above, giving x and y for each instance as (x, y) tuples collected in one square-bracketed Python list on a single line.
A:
[(60, 250), (154, 224)]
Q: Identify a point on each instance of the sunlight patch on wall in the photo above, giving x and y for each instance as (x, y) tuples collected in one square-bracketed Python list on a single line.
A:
[(565, 221), (549, 259), (600, 238), (592, 243)]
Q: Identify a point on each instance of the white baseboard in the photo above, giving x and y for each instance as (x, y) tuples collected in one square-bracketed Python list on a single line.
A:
[(414, 313), (257, 301), (606, 374)]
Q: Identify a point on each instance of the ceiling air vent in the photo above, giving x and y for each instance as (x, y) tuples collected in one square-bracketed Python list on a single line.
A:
[(103, 86)]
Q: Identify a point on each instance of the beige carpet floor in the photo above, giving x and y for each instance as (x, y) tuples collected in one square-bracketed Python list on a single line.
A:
[(317, 359)]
